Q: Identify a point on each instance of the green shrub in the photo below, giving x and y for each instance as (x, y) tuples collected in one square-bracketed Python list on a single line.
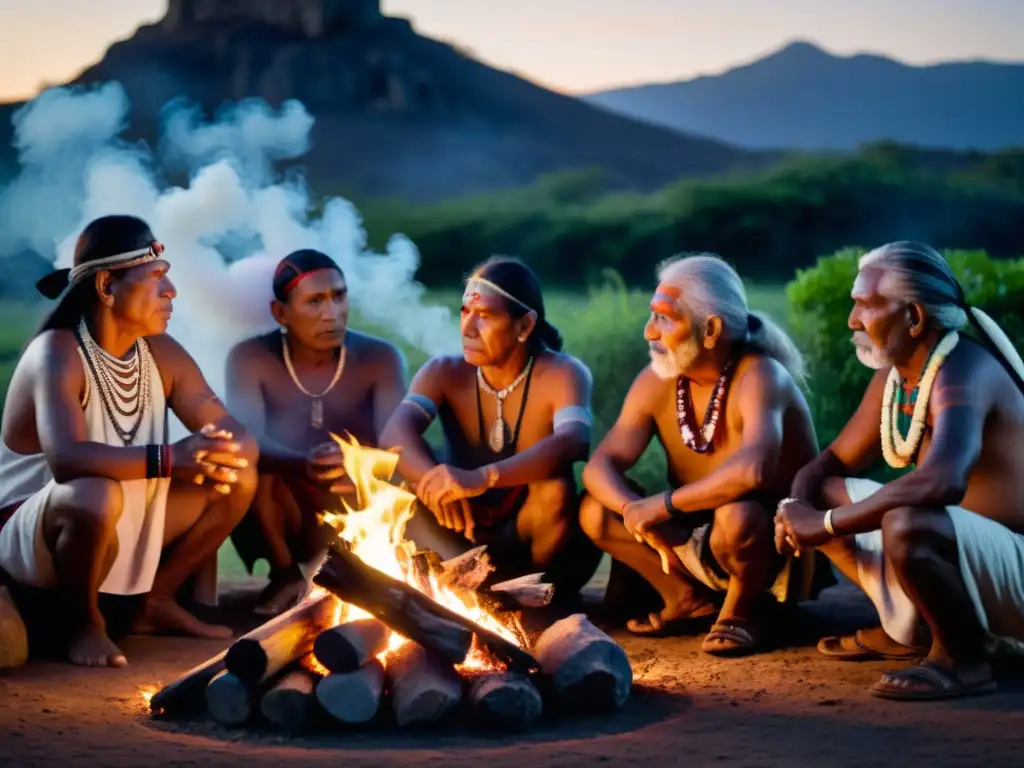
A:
[(820, 304)]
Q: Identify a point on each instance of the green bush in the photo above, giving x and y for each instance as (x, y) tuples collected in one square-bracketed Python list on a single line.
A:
[(820, 304)]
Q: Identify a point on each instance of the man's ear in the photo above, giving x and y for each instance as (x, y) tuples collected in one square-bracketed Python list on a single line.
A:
[(917, 316), (525, 325), (279, 311), (105, 288), (713, 331)]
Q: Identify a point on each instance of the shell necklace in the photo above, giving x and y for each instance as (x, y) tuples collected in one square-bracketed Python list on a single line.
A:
[(897, 450), (704, 441), (317, 409), (123, 384), (497, 434)]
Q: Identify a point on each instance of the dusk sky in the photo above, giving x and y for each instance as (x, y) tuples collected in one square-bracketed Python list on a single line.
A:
[(571, 45)]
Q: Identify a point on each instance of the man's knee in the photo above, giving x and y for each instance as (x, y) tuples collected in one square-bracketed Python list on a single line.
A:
[(911, 536), (92, 504), (593, 518), (741, 529)]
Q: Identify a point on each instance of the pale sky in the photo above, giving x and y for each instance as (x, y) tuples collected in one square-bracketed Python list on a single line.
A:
[(571, 45)]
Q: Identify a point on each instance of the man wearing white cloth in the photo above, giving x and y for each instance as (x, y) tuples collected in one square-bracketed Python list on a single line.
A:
[(940, 550), (91, 495)]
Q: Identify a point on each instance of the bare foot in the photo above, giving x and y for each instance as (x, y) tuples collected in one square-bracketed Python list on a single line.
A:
[(673, 619), (92, 648), (163, 615)]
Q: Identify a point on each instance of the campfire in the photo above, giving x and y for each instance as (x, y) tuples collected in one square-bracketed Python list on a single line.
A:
[(390, 627)]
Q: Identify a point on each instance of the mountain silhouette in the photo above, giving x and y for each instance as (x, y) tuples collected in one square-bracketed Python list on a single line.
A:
[(803, 97), (397, 114)]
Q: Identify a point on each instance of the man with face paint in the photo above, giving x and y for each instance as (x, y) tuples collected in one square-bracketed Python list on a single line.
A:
[(94, 500), (293, 388), (939, 551), (515, 412), (721, 395)]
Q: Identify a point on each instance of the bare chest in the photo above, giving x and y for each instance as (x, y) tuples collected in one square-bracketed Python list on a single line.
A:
[(525, 412)]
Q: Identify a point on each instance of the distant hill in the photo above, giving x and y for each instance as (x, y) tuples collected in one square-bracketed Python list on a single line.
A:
[(802, 97), (397, 114)]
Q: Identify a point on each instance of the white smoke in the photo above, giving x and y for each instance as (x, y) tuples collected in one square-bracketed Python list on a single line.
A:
[(224, 233)]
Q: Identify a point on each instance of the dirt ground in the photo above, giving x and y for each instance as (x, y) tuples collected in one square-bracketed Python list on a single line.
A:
[(785, 707)]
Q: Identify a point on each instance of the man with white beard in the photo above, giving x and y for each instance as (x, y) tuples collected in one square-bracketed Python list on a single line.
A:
[(940, 550), (711, 531)]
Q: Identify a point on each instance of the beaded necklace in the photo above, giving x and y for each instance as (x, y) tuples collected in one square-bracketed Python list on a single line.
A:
[(123, 384), (902, 424), (702, 440)]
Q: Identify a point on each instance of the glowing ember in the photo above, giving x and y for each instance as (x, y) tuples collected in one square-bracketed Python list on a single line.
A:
[(147, 692), (375, 534)]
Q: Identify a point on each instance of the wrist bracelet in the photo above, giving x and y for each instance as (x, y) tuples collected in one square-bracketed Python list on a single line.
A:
[(158, 461), (828, 523), (672, 510)]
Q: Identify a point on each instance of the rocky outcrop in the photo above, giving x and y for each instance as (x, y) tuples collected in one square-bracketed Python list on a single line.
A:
[(311, 18)]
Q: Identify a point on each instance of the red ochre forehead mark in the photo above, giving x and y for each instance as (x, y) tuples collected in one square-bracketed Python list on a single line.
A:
[(665, 299)]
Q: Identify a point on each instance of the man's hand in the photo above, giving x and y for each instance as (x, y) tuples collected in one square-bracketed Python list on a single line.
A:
[(455, 516), (445, 484), (325, 465), (208, 455), (799, 526), (641, 519)]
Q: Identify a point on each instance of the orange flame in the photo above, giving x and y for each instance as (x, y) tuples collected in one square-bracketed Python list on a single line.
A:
[(147, 692), (376, 535)]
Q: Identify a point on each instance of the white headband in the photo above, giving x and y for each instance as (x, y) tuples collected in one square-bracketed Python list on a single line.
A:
[(486, 287), (117, 261)]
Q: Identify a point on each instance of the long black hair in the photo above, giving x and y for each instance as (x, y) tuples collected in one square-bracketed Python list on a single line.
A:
[(518, 280), (103, 237)]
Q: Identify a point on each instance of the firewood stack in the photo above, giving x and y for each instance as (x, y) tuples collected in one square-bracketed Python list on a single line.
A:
[(407, 661)]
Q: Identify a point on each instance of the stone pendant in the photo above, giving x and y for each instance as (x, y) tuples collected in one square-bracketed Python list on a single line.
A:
[(317, 413), (497, 436)]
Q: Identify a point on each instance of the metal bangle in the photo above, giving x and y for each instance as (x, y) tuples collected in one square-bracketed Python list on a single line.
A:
[(828, 523)]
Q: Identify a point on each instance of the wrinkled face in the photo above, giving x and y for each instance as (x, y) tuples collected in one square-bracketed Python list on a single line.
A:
[(316, 312), (671, 336), (140, 298), (489, 334), (880, 323)]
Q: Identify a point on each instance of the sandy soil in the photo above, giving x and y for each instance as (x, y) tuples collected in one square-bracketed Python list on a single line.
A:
[(785, 707)]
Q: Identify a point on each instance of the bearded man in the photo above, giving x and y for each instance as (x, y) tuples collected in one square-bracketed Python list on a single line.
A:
[(515, 413), (93, 500), (711, 531), (294, 388), (939, 551)]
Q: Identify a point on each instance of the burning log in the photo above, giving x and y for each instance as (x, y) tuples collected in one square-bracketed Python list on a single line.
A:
[(187, 693), (261, 654), (228, 700), (588, 669), (349, 646), (507, 700), (527, 591), (353, 697), (468, 570), (413, 614), (424, 686), (291, 702)]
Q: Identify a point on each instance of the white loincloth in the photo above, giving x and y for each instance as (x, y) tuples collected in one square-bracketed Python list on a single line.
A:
[(991, 560), (140, 529)]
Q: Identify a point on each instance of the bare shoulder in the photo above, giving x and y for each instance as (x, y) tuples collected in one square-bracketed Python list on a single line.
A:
[(564, 368), (373, 350), (51, 353), (763, 375), (971, 365), (251, 354), (167, 350), (441, 372)]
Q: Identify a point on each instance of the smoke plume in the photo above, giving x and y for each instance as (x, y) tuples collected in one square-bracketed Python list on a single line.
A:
[(224, 232)]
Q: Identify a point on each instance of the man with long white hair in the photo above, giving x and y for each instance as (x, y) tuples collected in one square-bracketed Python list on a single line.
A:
[(939, 550), (711, 531)]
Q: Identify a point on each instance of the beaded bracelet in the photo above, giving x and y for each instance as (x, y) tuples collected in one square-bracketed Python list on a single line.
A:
[(158, 461)]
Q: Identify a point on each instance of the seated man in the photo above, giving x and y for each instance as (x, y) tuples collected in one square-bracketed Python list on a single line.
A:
[(292, 389), (98, 502), (515, 412), (712, 530), (941, 545)]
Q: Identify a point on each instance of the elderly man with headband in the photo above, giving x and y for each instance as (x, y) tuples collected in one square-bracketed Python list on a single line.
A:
[(293, 387), (93, 499), (515, 414), (939, 550), (722, 395)]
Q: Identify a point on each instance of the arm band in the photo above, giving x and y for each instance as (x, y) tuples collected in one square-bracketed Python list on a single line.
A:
[(423, 403), (573, 413), (158, 461)]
